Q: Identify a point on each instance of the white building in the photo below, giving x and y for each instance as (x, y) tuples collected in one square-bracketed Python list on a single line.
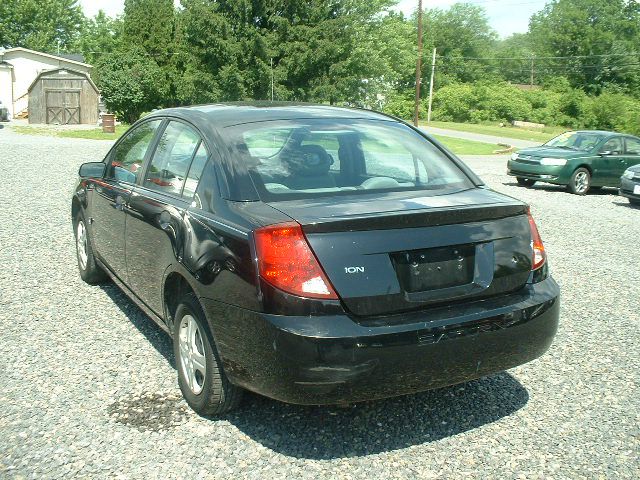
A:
[(19, 67)]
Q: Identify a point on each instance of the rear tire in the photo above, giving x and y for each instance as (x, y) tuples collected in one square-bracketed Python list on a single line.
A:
[(90, 272), (202, 380), (580, 181), (525, 182)]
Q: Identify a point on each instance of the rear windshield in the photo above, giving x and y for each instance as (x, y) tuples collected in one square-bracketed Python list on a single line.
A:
[(322, 157)]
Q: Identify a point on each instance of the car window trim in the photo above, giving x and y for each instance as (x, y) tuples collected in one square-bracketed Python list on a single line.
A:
[(193, 157)]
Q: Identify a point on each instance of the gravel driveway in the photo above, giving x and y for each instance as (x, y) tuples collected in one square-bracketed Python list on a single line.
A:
[(88, 384)]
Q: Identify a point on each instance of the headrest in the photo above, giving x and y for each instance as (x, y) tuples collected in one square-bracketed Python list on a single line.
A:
[(307, 160)]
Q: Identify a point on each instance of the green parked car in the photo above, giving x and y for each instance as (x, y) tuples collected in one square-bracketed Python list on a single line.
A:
[(580, 160)]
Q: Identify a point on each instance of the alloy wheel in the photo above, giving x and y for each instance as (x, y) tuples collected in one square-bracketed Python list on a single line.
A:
[(192, 354), (581, 182), (81, 244)]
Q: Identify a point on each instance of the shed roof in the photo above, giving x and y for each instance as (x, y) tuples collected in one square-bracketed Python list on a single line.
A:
[(53, 70)]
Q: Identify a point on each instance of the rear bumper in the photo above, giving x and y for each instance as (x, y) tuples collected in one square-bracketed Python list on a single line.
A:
[(333, 359)]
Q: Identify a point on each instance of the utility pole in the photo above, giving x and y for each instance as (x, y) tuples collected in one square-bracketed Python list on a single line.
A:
[(433, 72), (272, 79), (416, 112), (532, 57)]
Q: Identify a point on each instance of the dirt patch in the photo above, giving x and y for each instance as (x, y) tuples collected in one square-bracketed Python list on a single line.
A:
[(149, 411)]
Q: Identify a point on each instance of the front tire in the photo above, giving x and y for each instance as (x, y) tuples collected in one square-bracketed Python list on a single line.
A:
[(580, 181), (202, 380), (90, 272), (525, 182)]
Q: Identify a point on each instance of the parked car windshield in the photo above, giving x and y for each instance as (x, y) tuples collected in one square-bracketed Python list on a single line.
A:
[(585, 141), (319, 157)]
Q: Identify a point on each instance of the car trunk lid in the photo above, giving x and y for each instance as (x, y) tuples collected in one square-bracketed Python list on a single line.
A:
[(401, 251)]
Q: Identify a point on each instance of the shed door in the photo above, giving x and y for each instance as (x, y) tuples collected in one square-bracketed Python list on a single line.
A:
[(72, 107), (63, 107), (55, 110)]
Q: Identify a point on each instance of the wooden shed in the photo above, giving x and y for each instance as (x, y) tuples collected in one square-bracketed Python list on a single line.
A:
[(63, 96)]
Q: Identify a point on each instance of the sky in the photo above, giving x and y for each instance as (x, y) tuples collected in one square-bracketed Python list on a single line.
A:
[(505, 16)]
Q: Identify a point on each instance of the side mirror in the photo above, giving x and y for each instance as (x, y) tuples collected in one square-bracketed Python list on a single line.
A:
[(92, 170)]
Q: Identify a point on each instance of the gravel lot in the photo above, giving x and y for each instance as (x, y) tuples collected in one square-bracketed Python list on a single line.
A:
[(88, 385)]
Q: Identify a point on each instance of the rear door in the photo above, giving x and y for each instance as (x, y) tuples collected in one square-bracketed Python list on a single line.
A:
[(155, 227), (109, 200), (632, 152)]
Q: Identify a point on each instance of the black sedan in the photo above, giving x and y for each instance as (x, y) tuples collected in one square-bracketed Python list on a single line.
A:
[(630, 184), (313, 254)]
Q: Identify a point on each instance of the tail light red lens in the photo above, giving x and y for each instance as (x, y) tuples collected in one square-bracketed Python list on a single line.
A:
[(286, 261), (539, 254)]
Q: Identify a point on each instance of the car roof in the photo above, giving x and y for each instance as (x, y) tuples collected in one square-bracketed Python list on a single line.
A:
[(603, 132), (228, 114)]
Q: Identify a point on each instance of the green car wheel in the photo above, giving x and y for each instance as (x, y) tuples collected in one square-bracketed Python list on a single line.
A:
[(580, 181)]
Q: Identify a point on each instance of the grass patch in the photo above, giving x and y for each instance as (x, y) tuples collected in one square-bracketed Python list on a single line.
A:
[(95, 133), (467, 147), (534, 135), (91, 134)]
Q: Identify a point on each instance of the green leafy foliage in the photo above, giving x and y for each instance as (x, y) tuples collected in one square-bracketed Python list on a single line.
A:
[(583, 53), (131, 82), (44, 25)]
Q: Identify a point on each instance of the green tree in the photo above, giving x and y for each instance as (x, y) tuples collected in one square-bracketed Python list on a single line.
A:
[(598, 41), (99, 36), (131, 82), (515, 59), (150, 25), (463, 37), (43, 25)]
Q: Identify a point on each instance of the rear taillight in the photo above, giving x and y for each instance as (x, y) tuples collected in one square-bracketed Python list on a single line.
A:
[(286, 261), (539, 255)]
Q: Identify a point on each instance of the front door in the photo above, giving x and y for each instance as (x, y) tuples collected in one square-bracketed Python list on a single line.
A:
[(154, 231), (110, 200)]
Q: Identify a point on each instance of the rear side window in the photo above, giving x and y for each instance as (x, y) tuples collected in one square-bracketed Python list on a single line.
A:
[(633, 146), (614, 146), (324, 157), (171, 160), (195, 172), (128, 156)]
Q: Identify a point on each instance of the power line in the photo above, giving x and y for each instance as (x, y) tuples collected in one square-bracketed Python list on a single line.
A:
[(604, 55)]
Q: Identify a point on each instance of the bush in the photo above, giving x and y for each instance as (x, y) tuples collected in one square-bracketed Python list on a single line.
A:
[(403, 106), (454, 103), (557, 105), (503, 102)]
